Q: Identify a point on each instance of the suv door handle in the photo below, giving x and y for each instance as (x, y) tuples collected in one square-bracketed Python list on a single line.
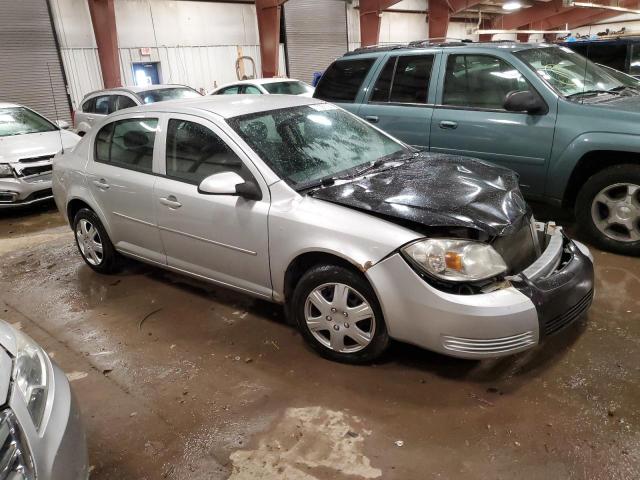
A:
[(371, 118), (446, 124), (101, 184), (171, 202)]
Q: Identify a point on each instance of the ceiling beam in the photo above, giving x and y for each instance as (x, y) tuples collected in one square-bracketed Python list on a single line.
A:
[(578, 16), (528, 16), (459, 5)]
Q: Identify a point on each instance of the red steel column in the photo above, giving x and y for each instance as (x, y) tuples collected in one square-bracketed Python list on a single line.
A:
[(370, 11), (103, 18), (523, 37), (438, 18), (268, 12)]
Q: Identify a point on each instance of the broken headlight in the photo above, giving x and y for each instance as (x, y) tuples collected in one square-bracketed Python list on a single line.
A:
[(31, 376), (456, 260), (5, 171)]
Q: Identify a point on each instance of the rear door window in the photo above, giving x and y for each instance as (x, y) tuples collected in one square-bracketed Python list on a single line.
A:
[(127, 143), (251, 90), (124, 102), (103, 105), (404, 79), (89, 105), (343, 79), (230, 90)]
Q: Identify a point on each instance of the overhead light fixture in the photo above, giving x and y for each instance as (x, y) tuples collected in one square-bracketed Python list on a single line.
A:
[(512, 5), (602, 7)]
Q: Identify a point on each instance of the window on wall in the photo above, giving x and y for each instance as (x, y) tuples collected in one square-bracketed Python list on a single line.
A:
[(480, 81), (194, 152), (127, 143), (343, 79)]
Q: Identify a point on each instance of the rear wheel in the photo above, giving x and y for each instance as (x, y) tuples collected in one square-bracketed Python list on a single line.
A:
[(338, 314), (608, 209), (93, 242)]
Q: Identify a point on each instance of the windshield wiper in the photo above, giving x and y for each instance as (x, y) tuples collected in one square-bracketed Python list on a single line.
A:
[(592, 92)]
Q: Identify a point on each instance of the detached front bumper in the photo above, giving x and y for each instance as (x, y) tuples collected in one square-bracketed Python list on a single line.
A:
[(548, 296)]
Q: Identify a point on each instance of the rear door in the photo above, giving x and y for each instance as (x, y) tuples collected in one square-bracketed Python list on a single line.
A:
[(120, 177), (469, 118), (401, 98)]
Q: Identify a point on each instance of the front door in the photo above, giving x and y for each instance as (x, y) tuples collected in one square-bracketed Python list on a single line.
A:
[(470, 118), (399, 101), (223, 238), (120, 177)]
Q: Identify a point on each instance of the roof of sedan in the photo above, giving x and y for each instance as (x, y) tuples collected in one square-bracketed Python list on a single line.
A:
[(9, 105), (228, 106)]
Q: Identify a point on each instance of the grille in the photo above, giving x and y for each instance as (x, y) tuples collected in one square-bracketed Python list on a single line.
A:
[(40, 169), (559, 322), (35, 159), (490, 345), (15, 459), (517, 249)]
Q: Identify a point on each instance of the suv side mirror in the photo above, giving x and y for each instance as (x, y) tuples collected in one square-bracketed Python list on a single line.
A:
[(525, 101), (229, 183)]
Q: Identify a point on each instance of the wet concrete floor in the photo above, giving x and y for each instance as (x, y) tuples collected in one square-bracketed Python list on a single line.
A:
[(180, 380)]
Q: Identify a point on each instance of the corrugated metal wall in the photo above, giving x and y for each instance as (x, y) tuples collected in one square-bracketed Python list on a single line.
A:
[(316, 34), (84, 75), (30, 70)]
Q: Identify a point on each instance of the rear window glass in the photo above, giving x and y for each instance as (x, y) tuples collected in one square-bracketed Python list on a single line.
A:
[(287, 88), (162, 94), (343, 79)]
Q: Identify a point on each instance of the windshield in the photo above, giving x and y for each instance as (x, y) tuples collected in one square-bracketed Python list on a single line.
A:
[(288, 88), (568, 72), (20, 121), (306, 144), (626, 80), (162, 94)]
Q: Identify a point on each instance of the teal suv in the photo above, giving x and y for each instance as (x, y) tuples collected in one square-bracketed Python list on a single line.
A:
[(570, 128)]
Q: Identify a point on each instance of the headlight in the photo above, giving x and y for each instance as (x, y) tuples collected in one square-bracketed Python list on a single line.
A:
[(456, 260), (31, 376), (5, 170)]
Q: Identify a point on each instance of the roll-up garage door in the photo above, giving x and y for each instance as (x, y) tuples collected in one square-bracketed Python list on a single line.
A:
[(316, 34), (30, 69)]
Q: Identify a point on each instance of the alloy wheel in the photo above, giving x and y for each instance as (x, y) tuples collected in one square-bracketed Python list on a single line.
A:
[(89, 242), (615, 211), (340, 318)]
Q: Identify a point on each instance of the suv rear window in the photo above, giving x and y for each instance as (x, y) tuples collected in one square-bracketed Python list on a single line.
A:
[(342, 80)]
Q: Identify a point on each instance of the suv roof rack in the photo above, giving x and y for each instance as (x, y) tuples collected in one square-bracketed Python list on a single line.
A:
[(429, 42)]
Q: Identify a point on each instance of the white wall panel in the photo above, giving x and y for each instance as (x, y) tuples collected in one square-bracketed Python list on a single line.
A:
[(73, 23), (83, 72)]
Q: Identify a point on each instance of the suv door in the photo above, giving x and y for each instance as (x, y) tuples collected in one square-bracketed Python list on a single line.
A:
[(223, 238), (401, 100), (120, 177), (470, 119)]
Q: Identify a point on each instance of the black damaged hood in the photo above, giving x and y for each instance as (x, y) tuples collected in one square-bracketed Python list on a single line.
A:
[(438, 190)]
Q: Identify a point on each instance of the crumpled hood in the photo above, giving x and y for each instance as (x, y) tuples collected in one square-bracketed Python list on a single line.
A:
[(30, 145), (438, 190)]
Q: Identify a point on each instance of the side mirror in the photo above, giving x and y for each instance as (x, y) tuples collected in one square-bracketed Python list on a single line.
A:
[(63, 124), (525, 101), (229, 183)]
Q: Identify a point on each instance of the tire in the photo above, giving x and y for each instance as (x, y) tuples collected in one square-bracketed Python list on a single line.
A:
[(330, 331), (85, 223), (608, 209)]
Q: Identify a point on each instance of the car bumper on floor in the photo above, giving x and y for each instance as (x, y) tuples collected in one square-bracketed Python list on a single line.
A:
[(16, 192), (546, 297)]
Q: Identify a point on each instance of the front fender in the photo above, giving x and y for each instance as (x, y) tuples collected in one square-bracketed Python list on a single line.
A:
[(565, 163)]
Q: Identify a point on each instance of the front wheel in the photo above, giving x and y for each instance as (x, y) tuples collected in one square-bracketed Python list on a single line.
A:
[(94, 243), (338, 314), (608, 209)]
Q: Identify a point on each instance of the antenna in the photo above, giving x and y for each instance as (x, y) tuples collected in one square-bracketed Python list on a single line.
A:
[(55, 107)]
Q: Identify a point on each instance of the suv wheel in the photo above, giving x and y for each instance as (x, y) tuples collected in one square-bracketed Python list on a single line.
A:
[(93, 242), (608, 209), (338, 314)]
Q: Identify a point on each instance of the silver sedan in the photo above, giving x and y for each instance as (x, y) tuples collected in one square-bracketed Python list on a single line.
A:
[(41, 435), (297, 201)]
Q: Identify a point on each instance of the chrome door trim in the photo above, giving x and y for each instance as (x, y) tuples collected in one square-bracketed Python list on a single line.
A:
[(127, 217), (206, 240)]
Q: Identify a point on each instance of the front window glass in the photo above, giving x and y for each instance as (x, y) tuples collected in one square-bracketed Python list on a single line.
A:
[(251, 90), (194, 152), (480, 81), (163, 94), (127, 143), (20, 121), (287, 88), (568, 72), (306, 144)]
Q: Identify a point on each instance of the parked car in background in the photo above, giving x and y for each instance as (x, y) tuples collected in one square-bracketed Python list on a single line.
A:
[(266, 86), (621, 53), (41, 433), (28, 142), (567, 126), (296, 201), (97, 105)]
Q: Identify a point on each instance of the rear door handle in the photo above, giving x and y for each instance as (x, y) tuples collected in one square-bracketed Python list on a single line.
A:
[(102, 184), (371, 118), (446, 124), (171, 202)]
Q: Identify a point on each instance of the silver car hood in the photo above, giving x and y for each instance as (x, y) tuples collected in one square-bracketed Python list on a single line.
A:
[(7, 345), (15, 147)]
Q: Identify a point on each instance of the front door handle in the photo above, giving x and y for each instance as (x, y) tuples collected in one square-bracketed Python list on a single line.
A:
[(171, 202), (446, 124), (101, 184), (372, 118)]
